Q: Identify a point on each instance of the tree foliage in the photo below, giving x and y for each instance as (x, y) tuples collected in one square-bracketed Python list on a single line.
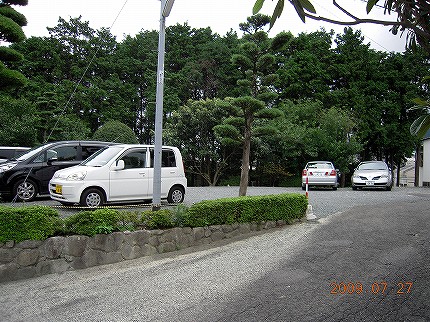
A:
[(256, 63), (11, 23), (282, 100), (421, 125), (412, 16), (191, 129), (115, 131)]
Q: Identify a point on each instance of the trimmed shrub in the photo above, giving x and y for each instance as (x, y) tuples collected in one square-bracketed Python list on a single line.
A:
[(115, 131), (39, 222), (24, 223), (128, 220), (247, 209), (180, 215), (92, 222), (158, 219)]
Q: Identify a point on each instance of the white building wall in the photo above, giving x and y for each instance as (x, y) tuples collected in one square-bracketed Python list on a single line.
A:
[(426, 164)]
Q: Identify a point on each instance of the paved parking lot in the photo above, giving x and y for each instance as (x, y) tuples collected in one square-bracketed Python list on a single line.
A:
[(282, 275), (324, 201)]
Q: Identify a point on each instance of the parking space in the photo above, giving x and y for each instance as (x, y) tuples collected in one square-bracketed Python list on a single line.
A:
[(324, 201)]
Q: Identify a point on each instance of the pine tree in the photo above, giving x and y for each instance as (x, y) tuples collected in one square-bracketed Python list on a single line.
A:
[(11, 23)]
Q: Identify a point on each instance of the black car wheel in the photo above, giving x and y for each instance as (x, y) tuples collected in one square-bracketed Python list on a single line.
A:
[(92, 198), (176, 195), (25, 190)]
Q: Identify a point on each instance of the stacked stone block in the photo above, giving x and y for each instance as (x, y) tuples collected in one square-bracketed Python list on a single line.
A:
[(58, 254)]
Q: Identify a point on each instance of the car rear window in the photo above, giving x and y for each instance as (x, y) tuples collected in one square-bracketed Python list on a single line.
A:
[(320, 165)]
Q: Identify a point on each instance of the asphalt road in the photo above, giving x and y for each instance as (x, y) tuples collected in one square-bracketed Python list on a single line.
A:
[(365, 259)]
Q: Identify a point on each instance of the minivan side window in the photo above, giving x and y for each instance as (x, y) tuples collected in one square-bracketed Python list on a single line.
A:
[(168, 159), (135, 159), (88, 150), (66, 153), (60, 153)]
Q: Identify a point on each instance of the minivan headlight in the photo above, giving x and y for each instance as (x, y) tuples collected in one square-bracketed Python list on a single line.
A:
[(77, 176), (6, 167)]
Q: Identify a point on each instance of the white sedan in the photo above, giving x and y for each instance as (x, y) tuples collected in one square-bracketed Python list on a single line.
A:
[(319, 173)]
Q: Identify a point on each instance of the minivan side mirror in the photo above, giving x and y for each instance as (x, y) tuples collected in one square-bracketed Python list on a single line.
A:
[(52, 156), (118, 165)]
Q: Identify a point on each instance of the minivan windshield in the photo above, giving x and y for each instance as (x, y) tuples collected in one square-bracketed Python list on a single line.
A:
[(102, 156), (31, 153)]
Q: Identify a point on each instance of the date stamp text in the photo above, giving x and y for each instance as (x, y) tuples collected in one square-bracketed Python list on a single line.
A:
[(380, 287)]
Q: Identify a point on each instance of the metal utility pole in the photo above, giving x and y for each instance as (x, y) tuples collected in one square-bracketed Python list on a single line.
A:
[(166, 7)]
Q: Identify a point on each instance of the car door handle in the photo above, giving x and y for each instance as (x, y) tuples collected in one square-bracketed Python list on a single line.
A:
[(173, 171), (142, 173)]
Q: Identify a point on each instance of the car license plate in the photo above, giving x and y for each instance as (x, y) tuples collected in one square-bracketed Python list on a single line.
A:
[(370, 183), (59, 189)]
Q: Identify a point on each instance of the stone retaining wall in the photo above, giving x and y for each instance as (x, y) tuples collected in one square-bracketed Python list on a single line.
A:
[(33, 258)]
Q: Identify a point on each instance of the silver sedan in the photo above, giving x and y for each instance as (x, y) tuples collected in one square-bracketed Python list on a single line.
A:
[(372, 174)]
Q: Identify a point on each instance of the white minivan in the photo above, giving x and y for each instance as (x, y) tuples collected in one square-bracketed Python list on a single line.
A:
[(120, 173)]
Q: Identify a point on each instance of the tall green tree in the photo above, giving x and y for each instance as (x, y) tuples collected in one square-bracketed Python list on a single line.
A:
[(135, 63), (306, 67), (79, 65), (310, 131), (191, 129), (115, 131), (11, 23), (256, 62), (17, 121), (47, 110)]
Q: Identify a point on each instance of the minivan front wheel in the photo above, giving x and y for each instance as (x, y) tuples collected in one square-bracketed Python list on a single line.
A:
[(25, 190), (92, 198), (176, 195)]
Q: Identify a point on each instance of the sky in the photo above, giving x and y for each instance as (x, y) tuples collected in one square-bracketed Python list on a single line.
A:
[(129, 17)]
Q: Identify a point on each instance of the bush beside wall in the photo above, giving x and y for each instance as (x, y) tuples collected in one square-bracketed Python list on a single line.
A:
[(28, 223), (103, 236), (247, 209), (39, 222)]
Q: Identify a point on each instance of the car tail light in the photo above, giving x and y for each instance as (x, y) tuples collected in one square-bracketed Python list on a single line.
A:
[(333, 173), (304, 172)]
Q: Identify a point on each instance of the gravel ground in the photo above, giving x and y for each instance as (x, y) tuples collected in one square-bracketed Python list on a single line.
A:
[(324, 201)]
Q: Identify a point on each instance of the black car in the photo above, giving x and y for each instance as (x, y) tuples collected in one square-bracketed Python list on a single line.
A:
[(27, 176)]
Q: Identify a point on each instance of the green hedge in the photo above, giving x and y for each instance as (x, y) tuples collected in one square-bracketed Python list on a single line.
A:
[(160, 219), (28, 223), (92, 222), (38, 222), (247, 209)]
